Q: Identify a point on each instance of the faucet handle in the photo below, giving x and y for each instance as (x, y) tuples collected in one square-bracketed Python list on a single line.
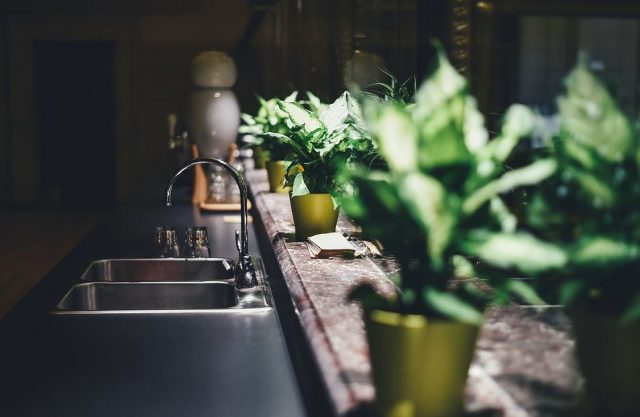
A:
[(238, 243)]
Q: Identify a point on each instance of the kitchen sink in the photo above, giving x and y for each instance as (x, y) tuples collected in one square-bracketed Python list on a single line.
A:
[(115, 296), (144, 270), (126, 286)]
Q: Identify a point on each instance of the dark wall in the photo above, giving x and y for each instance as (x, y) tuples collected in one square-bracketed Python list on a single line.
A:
[(75, 117), (152, 45), (279, 46)]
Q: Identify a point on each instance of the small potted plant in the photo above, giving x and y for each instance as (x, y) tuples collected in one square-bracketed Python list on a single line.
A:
[(319, 142), (253, 128), (590, 209), (439, 194), (269, 149)]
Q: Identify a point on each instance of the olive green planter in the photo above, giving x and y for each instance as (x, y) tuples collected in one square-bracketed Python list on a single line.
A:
[(260, 157), (313, 214), (276, 172), (608, 354), (419, 365)]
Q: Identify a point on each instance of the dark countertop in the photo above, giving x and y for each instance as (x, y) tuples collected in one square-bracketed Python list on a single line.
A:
[(142, 365), (523, 365)]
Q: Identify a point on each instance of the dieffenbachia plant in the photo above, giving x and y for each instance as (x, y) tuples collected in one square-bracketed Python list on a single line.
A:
[(271, 119), (440, 197), (321, 141), (590, 206)]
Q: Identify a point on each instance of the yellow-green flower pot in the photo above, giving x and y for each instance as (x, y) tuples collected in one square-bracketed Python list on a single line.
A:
[(608, 354), (419, 365), (313, 214), (260, 157), (276, 172)]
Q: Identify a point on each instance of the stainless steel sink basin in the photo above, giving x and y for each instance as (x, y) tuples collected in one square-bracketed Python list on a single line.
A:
[(116, 296), (126, 286), (147, 270)]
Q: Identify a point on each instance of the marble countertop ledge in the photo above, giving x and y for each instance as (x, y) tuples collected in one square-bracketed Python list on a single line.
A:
[(523, 365)]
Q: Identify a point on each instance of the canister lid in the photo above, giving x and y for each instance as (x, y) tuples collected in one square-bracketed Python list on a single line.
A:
[(213, 69)]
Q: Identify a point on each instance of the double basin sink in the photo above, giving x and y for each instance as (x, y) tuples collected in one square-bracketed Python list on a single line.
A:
[(126, 286)]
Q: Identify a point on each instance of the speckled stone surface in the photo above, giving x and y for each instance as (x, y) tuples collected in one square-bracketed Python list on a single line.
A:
[(523, 365)]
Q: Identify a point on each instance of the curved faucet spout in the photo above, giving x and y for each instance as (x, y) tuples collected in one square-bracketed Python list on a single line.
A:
[(245, 276)]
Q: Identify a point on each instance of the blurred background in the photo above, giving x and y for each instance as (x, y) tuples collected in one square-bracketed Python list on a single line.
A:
[(86, 85)]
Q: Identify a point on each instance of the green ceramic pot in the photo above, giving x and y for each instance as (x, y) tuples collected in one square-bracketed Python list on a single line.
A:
[(608, 354), (313, 214), (276, 172), (260, 157), (419, 365)]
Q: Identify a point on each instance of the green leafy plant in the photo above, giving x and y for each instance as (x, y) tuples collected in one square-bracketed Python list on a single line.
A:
[(590, 206), (441, 197), (271, 119), (392, 90), (320, 142)]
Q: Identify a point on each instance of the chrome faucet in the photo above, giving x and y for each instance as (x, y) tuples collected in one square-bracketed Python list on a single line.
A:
[(245, 273)]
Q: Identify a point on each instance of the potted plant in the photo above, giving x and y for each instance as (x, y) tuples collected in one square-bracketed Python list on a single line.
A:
[(319, 142), (391, 90), (270, 150), (439, 194), (590, 209)]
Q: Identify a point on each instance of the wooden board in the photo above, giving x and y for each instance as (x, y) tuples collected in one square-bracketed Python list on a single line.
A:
[(217, 207), (34, 242)]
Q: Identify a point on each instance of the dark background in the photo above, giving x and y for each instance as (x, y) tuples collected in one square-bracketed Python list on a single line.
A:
[(86, 85)]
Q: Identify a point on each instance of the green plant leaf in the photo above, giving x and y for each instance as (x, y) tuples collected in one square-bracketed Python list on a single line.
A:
[(442, 139), (426, 199), (299, 186), (542, 215), (314, 103), (250, 140), (250, 130), (475, 134), (296, 146), (442, 143), (503, 216), (291, 98), (601, 192), (529, 175), (334, 139), (448, 120), (517, 123), (397, 137), (571, 290), (335, 201), (576, 152), (517, 251), (377, 186), (633, 312), (275, 135), (300, 117), (462, 267), (342, 111), (441, 85), (602, 251), (524, 291), (451, 306), (247, 119), (590, 116)]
